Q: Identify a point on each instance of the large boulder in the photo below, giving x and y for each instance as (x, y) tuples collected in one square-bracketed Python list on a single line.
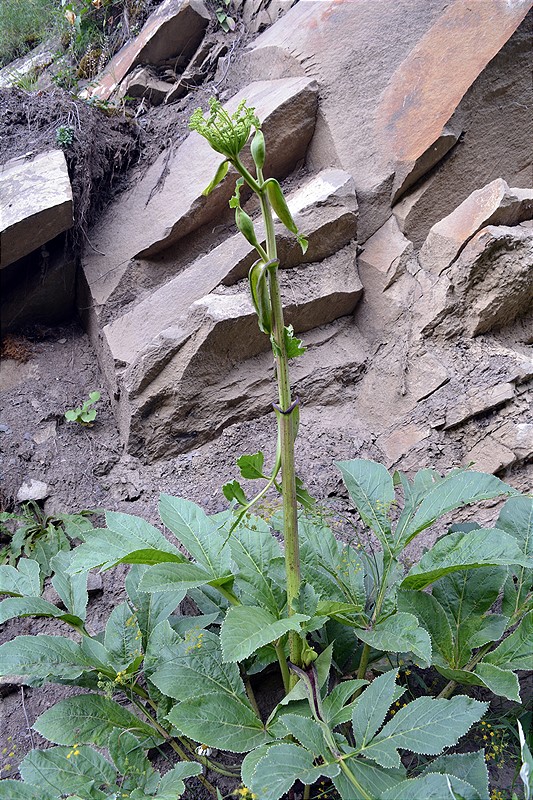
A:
[(173, 31), (36, 203)]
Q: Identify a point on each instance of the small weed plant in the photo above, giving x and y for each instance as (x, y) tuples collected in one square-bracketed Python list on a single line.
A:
[(333, 620), (64, 138), (86, 413), (33, 534)]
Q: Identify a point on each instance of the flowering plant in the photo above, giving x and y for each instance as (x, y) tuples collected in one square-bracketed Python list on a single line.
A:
[(340, 624)]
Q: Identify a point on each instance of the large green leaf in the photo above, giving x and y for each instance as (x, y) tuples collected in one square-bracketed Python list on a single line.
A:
[(196, 669), (171, 785), (122, 638), (45, 656), (432, 617), (15, 790), (13, 607), (492, 629), (460, 676), (247, 628), (399, 633), (372, 490), (373, 705), (466, 596), (254, 549), (174, 577), (307, 732), (125, 534), (458, 551), (151, 608), (372, 780), (336, 706), (64, 771), (281, 766), (454, 491), (516, 519), (413, 494), (72, 589), (425, 726), (469, 767), (502, 682), (220, 720), (197, 533), (90, 719), (515, 652), (22, 580), (161, 648), (129, 758), (432, 786), (334, 570)]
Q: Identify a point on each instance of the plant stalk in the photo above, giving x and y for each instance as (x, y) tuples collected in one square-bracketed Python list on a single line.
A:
[(286, 431), (353, 780)]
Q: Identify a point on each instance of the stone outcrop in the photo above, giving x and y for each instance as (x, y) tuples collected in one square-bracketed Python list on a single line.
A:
[(170, 193), (171, 34), (324, 207), (143, 83), (420, 78), (35, 202), (495, 204), (397, 130), (487, 287)]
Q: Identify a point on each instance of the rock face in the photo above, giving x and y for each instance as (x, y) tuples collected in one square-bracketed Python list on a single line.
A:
[(488, 286), (171, 33), (414, 297), (325, 206), (420, 78), (36, 204), (170, 193), (495, 204)]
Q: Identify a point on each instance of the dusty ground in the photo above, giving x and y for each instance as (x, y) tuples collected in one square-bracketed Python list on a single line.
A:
[(86, 468)]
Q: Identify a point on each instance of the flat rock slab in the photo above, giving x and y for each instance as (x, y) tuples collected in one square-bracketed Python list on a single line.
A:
[(174, 30), (325, 209), (494, 204), (489, 455), (420, 78), (35, 204), (479, 402), (147, 219)]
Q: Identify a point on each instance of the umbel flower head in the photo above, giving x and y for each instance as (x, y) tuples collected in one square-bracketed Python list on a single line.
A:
[(226, 133)]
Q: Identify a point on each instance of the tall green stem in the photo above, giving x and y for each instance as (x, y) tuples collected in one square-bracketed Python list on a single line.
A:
[(286, 431)]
